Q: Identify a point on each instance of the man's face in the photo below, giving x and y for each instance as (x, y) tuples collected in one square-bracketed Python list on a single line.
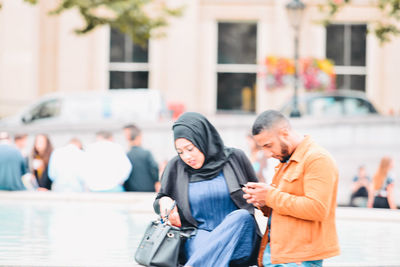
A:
[(274, 144)]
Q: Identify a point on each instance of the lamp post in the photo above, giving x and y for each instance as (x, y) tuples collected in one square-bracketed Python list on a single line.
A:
[(295, 10)]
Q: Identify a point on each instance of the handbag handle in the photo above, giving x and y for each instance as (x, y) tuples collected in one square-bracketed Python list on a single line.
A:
[(165, 220)]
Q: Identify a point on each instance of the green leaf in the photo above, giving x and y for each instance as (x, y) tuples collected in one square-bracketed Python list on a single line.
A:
[(128, 16)]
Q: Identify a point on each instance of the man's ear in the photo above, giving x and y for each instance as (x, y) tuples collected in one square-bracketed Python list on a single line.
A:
[(283, 132)]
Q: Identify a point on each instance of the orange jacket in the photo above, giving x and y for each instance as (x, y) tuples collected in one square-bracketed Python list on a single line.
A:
[(303, 202)]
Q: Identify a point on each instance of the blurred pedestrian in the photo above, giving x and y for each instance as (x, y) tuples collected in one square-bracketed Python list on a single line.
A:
[(382, 187), (204, 179), (66, 167), (144, 174), (12, 165), (106, 165), (39, 162), (360, 188), (301, 201), (263, 165), (20, 141)]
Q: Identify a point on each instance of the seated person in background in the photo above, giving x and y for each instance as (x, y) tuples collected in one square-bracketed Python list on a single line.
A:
[(381, 193), (204, 179), (144, 174), (359, 191), (106, 165)]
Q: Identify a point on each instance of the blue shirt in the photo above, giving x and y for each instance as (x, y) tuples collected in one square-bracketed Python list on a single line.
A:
[(12, 168)]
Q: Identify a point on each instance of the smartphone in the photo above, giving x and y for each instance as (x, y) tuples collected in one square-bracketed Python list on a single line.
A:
[(242, 185)]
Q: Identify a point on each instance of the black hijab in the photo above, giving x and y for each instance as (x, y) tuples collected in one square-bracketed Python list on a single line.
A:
[(198, 130)]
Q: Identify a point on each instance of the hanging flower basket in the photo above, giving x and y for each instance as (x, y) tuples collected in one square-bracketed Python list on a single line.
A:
[(314, 74)]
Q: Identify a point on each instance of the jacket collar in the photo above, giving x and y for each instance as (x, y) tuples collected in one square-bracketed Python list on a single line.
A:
[(301, 149)]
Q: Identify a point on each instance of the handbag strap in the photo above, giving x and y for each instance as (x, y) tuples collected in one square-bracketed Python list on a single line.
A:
[(165, 220), (185, 232), (188, 232)]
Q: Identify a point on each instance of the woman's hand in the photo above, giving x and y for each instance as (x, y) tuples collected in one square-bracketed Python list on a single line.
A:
[(165, 206)]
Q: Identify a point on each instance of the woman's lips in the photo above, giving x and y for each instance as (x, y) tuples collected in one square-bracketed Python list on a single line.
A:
[(192, 162)]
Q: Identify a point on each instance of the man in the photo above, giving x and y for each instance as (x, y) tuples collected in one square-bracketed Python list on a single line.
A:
[(12, 165), (20, 141), (106, 166), (66, 166), (144, 174), (301, 200)]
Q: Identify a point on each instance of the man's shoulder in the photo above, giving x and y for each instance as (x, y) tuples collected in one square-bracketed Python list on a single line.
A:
[(10, 150), (138, 150), (316, 151)]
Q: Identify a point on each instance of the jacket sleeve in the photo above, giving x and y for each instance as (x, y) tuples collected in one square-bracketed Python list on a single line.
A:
[(320, 183)]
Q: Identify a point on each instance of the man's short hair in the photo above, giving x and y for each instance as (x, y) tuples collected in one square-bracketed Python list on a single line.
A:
[(134, 131), (20, 136), (104, 134), (267, 120)]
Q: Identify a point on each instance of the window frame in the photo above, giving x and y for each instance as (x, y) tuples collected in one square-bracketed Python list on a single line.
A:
[(346, 70), (237, 68), (127, 67)]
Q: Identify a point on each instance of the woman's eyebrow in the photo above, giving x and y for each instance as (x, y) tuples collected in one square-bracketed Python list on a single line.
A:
[(184, 146)]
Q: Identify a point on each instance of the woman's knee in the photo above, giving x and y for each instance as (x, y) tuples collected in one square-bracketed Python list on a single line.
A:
[(241, 213)]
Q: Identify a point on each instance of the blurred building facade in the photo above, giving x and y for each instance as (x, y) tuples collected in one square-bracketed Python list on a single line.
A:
[(211, 59)]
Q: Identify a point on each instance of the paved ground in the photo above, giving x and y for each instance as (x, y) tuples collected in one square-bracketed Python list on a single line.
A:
[(48, 229)]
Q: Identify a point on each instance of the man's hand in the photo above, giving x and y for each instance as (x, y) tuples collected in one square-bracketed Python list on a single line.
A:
[(165, 206), (255, 193)]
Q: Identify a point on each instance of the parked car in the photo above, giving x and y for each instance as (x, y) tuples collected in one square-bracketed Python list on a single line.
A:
[(332, 104), (122, 105)]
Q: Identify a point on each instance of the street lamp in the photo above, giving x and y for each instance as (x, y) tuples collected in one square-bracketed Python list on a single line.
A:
[(295, 10)]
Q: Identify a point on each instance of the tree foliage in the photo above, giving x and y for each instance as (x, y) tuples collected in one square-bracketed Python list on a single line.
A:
[(138, 18), (384, 28)]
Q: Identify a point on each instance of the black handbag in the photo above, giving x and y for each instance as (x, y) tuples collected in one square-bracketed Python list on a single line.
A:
[(161, 243)]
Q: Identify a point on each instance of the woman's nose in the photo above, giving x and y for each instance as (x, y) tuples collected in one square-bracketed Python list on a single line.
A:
[(186, 155)]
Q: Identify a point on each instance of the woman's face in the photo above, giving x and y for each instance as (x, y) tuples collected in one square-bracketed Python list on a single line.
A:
[(40, 143), (189, 153)]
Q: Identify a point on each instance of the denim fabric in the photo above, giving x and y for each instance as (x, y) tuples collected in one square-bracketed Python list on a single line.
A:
[(225, 233), (267, 261)]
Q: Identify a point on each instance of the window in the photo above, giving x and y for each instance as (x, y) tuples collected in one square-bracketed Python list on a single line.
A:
[(346, 46), (128, 62), (46, 110), (236, 69)]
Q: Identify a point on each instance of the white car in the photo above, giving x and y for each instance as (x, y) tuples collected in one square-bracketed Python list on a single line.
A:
[(339, 103), (82, 108)]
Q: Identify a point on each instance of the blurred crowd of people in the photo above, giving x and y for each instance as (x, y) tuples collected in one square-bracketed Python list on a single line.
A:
[(102, 166), (105, 166), (377, 192)]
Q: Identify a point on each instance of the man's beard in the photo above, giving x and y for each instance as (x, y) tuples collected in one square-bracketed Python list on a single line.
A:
[(285, 153)]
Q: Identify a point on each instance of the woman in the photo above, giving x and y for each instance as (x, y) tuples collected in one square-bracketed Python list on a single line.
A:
[(42, 149), (204, 180), (381, 190)]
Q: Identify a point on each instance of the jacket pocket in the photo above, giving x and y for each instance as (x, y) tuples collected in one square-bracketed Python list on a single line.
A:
[(292, 177), (292, 184)]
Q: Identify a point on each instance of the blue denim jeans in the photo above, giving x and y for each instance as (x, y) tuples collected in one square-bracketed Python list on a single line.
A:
[(267, 261)]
